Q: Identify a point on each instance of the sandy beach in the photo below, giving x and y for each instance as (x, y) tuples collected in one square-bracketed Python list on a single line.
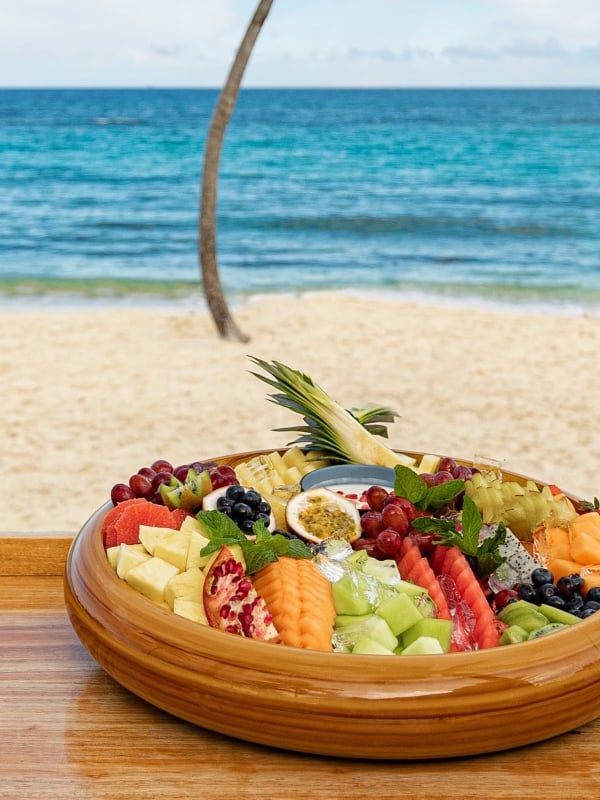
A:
[(92, 394)]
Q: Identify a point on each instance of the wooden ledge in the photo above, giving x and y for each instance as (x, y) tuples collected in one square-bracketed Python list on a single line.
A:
[(34, 553)]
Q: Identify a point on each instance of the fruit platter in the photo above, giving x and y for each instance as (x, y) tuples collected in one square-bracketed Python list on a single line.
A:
[(342, 598)]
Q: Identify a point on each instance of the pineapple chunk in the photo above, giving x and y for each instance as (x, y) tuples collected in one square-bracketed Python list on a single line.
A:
[(130, 555), (197, 542), (190, 609), (112, 553), (429, 463), (151, 578), (150, 536), (187, 584), (174, 549), (294, 457)]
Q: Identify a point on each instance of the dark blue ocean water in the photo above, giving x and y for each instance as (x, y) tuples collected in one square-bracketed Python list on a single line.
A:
[(491, 194)]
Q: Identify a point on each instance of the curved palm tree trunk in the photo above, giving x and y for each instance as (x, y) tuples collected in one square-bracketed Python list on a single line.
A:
[(207, 245)]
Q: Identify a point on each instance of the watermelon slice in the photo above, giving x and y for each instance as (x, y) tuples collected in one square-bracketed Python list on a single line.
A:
[(455, 565), (413, 566)]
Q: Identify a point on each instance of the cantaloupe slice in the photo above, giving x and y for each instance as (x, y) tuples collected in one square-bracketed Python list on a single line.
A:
[(552, 542), (560, 567), (585, 546)]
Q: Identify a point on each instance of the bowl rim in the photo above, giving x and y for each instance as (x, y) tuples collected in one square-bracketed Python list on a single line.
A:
[(129, 599)]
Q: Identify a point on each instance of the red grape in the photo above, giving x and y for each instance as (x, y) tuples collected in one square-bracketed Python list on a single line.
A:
[(405, 504), (462, 473), (504, 597), (376, 497), (141, 486), (181, 472), (370, 545), (441, 477), (395, 517), (223, 476), (424, 541), (161, 477), (147, 472), (371, 523), (162, 466), (389, 542), (121, 492), (428, 478), (446, 464)]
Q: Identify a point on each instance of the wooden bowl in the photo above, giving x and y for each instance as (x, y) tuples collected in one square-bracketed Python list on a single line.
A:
[(375, 707)]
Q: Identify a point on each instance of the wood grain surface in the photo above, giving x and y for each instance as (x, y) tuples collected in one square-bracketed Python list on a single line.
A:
[(67, 730)]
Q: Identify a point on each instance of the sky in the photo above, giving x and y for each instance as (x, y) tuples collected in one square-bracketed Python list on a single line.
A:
[(311, 43)]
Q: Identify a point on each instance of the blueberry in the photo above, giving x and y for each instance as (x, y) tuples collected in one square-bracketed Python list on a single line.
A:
[(575, 602), (556, 601), (224, 504), (241, 511), (577, 582), (235, 492), (591, 604), (246, 525), (263, 508), (564, 586), (544, 591), (593, 594), (264, 517), (252, 498), (541, 575), (527, 592)]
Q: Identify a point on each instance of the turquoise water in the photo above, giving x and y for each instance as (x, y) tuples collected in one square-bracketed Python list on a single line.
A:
[(483, 195)]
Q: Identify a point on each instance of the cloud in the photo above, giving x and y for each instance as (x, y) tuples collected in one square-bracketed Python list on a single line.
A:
[(550, 48), (379, 54), (471, 52)]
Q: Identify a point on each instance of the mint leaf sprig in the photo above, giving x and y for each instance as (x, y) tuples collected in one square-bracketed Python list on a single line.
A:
[(410, 485), (222, 530), (483, 557)]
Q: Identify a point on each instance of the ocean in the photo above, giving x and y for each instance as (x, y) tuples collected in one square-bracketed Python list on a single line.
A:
[(482, 196)]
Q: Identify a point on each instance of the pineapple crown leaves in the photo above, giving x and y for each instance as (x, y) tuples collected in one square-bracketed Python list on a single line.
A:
[(300, 394), (484, 557), (267, 547)]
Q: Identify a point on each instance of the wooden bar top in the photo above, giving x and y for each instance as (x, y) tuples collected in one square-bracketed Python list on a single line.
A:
[(68, 731)]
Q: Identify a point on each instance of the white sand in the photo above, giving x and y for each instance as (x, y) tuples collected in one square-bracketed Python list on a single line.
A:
[(89, 396)]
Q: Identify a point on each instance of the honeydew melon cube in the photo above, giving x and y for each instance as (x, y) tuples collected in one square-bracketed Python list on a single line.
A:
[(349, 598), (150, 536), (423, 646), (440, 629), (371, 625), (399, 612), (151, 578), (367, 646), (187, 584), (190, 609), (350, 620), (410, 588), (174, 549), (385, 571), (130, 555)]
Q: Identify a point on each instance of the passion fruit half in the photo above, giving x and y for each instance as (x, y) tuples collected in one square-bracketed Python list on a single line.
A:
[(319, 513)]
